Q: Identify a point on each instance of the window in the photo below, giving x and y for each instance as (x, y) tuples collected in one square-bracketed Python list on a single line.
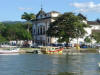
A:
[(34, 31), (43, 29), (38, 30)]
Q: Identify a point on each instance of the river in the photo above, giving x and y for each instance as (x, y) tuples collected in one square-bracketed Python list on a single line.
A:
[(34, 64)]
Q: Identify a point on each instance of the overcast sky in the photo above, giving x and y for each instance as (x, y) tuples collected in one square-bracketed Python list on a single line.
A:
[(11, 10)]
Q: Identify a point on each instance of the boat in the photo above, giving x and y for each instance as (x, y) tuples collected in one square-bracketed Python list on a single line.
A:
[(98, 50), (51, 50), (99, 64), (10, 51)]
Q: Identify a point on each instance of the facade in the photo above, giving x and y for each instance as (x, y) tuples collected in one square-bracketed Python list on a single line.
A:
[(93, 27), (41, 25)]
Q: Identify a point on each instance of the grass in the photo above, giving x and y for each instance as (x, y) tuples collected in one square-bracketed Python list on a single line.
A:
[(88, 50)]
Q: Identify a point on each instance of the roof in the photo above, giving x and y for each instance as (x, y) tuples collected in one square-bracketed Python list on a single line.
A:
[(41, 12), (93, 23), (96, 30), (54, 12)]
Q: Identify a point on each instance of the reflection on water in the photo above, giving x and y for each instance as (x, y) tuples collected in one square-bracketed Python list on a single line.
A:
[(64, 73), (33, 64)]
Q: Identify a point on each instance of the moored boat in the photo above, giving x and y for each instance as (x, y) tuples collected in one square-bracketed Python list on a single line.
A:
[(98, 50), (51, 50), (13, 50)]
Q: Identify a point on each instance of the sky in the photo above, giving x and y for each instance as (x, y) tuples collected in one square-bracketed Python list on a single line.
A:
[(11, 10)]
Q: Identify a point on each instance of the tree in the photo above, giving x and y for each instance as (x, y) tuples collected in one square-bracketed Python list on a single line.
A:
[(87, 39), (16, 31), (96, 36), (28, 17), (2, 27), (66, 27), (2, 39)]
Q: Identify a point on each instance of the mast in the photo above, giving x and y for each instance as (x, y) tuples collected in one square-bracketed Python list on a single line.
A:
[(41, 5)]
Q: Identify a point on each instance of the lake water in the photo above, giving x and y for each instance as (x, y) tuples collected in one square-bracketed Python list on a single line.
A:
[(34, 64)]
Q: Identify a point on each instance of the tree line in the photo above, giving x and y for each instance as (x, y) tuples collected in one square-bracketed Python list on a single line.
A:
[(14, 31)]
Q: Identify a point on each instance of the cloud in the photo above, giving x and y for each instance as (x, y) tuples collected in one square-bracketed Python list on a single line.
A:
[(86, 7), (22, 8)]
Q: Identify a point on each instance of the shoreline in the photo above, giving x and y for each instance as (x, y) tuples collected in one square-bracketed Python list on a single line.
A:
[(70, 50)]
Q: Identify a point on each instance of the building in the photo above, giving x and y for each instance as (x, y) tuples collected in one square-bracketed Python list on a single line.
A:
[(41, 25), (94, 26)]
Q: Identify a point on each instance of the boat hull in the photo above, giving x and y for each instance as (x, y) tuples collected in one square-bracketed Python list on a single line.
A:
[(48, 51), (9, 51)]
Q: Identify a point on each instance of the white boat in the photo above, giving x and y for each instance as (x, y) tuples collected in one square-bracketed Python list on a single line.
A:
[(99, 64), (10, 51), (98, 50)]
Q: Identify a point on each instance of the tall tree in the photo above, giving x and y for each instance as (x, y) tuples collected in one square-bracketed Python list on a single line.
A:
[(66, 27), (28, 17)]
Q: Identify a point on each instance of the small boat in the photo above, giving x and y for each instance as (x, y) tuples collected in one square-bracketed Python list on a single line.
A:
[(37, 52), (10, 51), (98, 50), (99, 64), (51, 50)]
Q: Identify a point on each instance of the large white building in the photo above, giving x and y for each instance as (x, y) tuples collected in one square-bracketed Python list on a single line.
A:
[(41, 25)]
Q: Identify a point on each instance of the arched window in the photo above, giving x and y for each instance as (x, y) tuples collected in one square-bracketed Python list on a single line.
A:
[(38, 30), (43, 29)]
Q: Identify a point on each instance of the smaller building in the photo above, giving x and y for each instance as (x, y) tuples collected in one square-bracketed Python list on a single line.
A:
[(93, 27)]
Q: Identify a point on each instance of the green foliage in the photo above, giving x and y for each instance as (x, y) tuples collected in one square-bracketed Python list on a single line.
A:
[(96, 36), (67, 26), (14, 31), (28, 16), (87, 39), (2, 27), (2, 39)]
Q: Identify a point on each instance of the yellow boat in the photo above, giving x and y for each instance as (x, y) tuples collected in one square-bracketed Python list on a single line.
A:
[(51, 50)]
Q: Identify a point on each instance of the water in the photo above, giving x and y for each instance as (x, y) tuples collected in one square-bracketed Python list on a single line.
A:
[(34, 64)]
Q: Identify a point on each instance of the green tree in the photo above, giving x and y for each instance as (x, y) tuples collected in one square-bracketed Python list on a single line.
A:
[(66, 27), (96, 36), (87, 39), (16, 31), (2, 39), (28, 17), (2, 27)]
